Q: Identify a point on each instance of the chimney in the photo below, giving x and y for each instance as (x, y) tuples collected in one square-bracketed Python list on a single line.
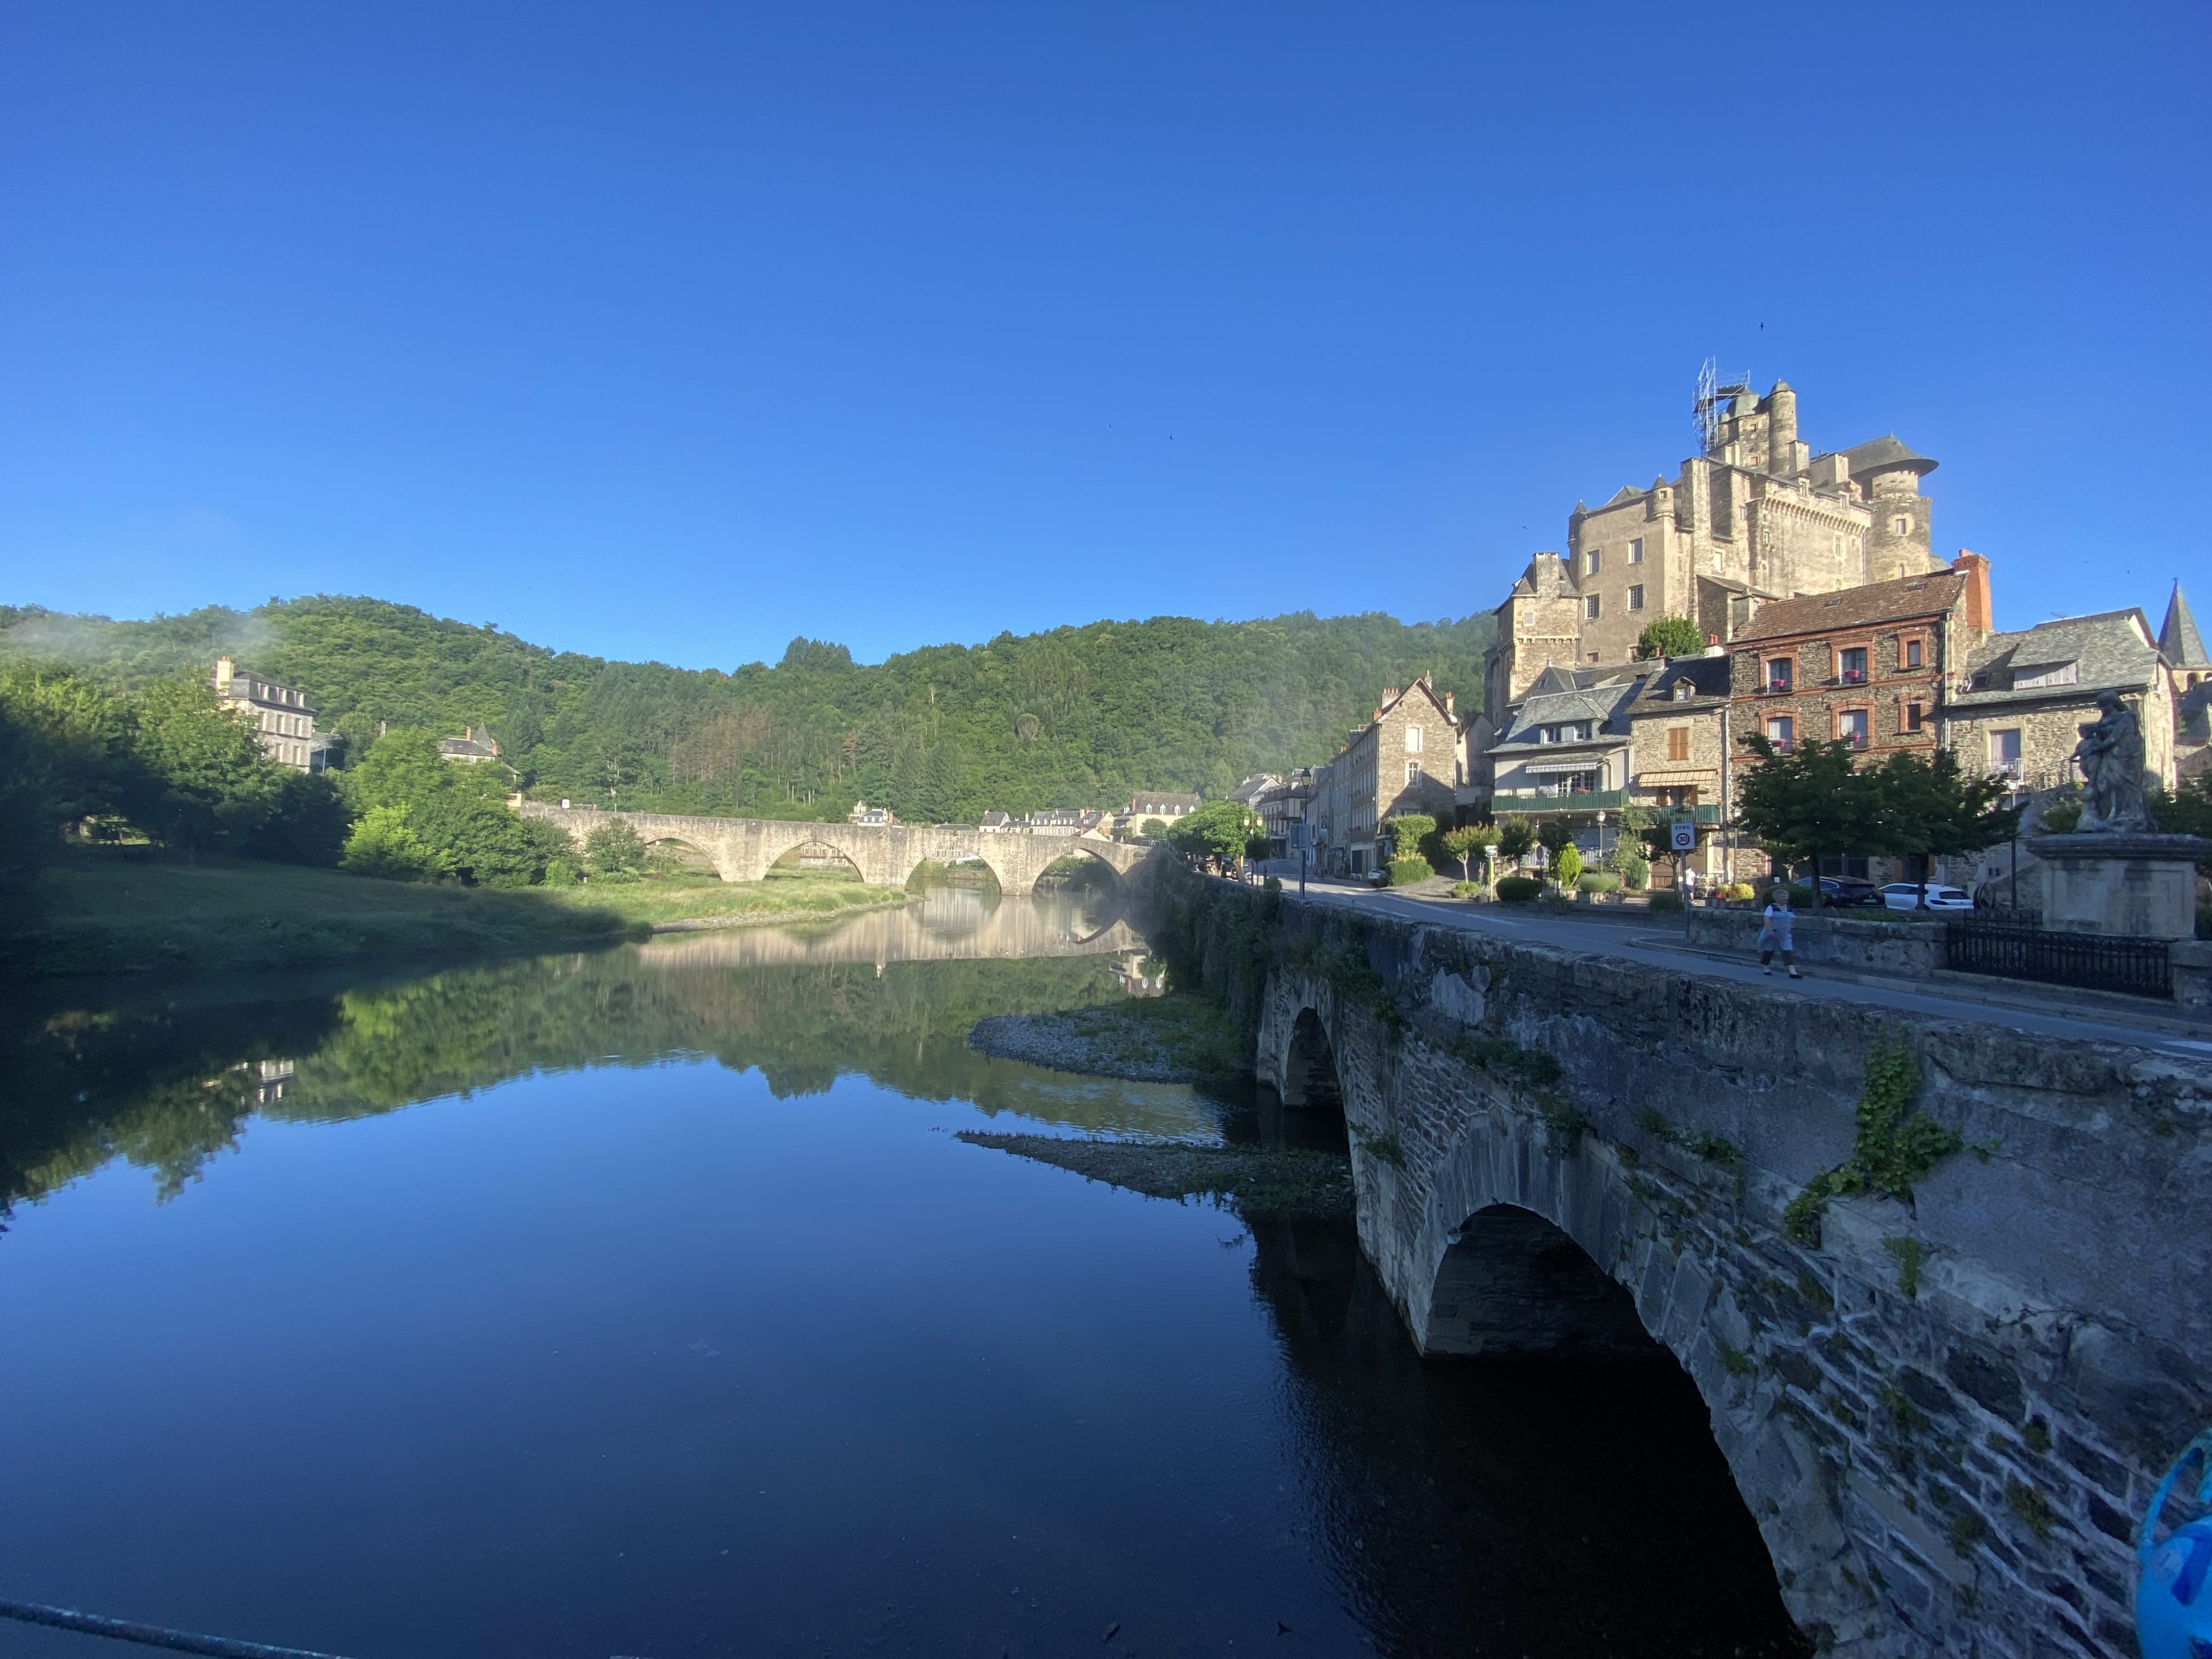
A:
[(1449, 714), (1390, 694), (223, 670), (1976, 569)]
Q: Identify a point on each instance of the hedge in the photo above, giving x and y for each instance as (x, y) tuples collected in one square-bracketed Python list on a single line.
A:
[(1518, 890), (1405, 872)]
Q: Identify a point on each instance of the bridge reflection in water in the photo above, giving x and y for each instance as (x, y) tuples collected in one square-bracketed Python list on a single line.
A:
[(952, 924)]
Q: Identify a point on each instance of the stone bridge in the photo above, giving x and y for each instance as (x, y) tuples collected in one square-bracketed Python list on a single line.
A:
[(1943, 1405), (742, 849)]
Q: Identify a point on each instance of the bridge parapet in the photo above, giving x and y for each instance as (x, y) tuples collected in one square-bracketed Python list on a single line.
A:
[(1940, 1407), (886, 855)]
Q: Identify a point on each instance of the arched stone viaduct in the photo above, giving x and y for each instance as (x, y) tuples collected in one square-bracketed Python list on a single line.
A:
[(742, 850), (1942, 1411)]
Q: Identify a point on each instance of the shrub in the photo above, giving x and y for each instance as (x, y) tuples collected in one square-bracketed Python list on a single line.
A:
[(1666, 901), (1567, 866), (1597, 881), (559, 872), (1518, 890), (383, 843), (1632, 866), (613, 849), (1471, 890), (1404, 872)]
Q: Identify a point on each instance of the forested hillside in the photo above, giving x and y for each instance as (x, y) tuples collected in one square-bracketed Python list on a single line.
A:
[(1076, 716)]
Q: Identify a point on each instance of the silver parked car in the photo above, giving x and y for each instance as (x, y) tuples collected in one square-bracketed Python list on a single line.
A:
[(1906, 896)]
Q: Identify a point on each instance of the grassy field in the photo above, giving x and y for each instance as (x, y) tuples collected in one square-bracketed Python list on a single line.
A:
[(706, 902), (118, 909)]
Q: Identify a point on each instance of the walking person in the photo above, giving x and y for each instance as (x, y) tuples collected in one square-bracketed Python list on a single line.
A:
[(1775, 935)]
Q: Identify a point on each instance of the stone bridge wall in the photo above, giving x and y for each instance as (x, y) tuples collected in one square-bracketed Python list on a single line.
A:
[(742, 850), (1943, 1413)]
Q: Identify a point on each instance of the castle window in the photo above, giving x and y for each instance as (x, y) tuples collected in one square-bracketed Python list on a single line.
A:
[(1635, 551), (1590, 606), (1900, 525), (1590, 562), (1636, 598)]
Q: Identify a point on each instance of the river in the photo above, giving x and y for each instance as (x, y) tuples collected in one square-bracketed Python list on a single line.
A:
[(642, 1302)]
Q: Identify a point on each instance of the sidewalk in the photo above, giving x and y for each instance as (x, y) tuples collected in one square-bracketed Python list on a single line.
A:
[(2052, 1011)]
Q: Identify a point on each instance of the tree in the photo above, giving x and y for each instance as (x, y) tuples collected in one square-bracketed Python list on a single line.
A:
[(1567, 864), (614, 849), (1153, 830), (1930, 806), (1554, 835), (1811, 801), (1516, 836), (309, 826), (1219, 830), (1256, 849), (1408, 830), (1670, 636), (204, 781), (1463, 843)]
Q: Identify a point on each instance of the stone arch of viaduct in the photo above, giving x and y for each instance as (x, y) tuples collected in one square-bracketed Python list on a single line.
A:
[(742, 850), (1944, 1408)]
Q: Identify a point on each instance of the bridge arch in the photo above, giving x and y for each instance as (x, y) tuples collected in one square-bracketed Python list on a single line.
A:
[(1510, 1241), (777, 847), (695, 852)]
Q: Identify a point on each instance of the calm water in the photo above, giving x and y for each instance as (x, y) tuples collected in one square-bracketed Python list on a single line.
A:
[(643, 1303)]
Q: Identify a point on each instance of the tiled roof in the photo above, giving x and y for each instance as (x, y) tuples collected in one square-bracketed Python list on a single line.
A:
[(1856, 607), (2112, 648)]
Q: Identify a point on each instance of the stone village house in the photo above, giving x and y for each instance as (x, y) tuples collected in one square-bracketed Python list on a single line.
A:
[(1406, 758), (284, 719)]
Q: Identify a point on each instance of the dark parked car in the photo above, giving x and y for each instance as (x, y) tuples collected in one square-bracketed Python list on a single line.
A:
[(1847, 893)]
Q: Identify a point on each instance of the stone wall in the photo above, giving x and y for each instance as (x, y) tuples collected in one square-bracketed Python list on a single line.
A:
[(1944, 1407), (1914, 949)]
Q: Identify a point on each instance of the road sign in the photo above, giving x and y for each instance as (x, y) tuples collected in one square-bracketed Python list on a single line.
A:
[(1298, 838), (1685, 833)]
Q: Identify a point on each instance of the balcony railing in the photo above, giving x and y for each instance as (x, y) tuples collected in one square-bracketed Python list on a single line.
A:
[(1777, 688), (1592, 800)]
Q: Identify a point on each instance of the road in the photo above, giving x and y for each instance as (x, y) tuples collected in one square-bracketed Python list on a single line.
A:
[(1633, 944)]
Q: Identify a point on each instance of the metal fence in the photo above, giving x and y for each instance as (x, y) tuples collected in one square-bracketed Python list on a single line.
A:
[(2139, 967)]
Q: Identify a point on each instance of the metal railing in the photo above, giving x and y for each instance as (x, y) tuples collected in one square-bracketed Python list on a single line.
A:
[(2138, 967)]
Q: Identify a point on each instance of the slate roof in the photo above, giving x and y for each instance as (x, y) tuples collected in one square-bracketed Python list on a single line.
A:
[(1856, 607), (1706, 676), (1880, 453), (2178, 642), (2113, 648), (1605, 706), (1157, 801)]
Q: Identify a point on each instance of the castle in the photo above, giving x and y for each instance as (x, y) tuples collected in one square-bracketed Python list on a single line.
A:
[(1756, 517)]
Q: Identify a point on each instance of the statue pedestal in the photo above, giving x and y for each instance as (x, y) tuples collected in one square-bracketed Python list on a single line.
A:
[(2133, 886)]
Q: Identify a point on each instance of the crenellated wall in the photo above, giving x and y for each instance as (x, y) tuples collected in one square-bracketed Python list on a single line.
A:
[(1944, 1409)]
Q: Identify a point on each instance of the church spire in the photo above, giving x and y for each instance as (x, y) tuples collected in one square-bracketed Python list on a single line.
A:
[(2178, 642)]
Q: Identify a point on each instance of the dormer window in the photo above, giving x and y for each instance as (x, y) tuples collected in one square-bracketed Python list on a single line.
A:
[(1682, 690)]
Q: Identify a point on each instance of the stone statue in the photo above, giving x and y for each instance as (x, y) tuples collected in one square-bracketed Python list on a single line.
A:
[(2110, 755)]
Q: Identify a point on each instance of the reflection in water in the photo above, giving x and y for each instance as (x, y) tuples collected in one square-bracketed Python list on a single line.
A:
[(676, 1344), (950, 924)]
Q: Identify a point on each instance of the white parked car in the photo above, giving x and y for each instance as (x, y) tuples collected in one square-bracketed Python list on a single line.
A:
[(1906, 896)]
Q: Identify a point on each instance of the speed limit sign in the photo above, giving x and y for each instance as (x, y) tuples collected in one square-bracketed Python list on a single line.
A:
[(1684, 836)]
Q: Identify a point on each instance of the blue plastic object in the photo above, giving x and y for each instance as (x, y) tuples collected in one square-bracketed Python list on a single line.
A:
[(2174, 1607)]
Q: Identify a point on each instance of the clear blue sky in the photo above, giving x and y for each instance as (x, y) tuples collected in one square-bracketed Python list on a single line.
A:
[(672, 332)]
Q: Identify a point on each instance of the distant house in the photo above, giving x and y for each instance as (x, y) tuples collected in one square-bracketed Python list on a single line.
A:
[(1168, 807), (1405, 759), (472, 748), (1248, 792), (1054, 821), (284, 719), (880, 818), (1282, 805), (995, 822), (2025, 695)]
